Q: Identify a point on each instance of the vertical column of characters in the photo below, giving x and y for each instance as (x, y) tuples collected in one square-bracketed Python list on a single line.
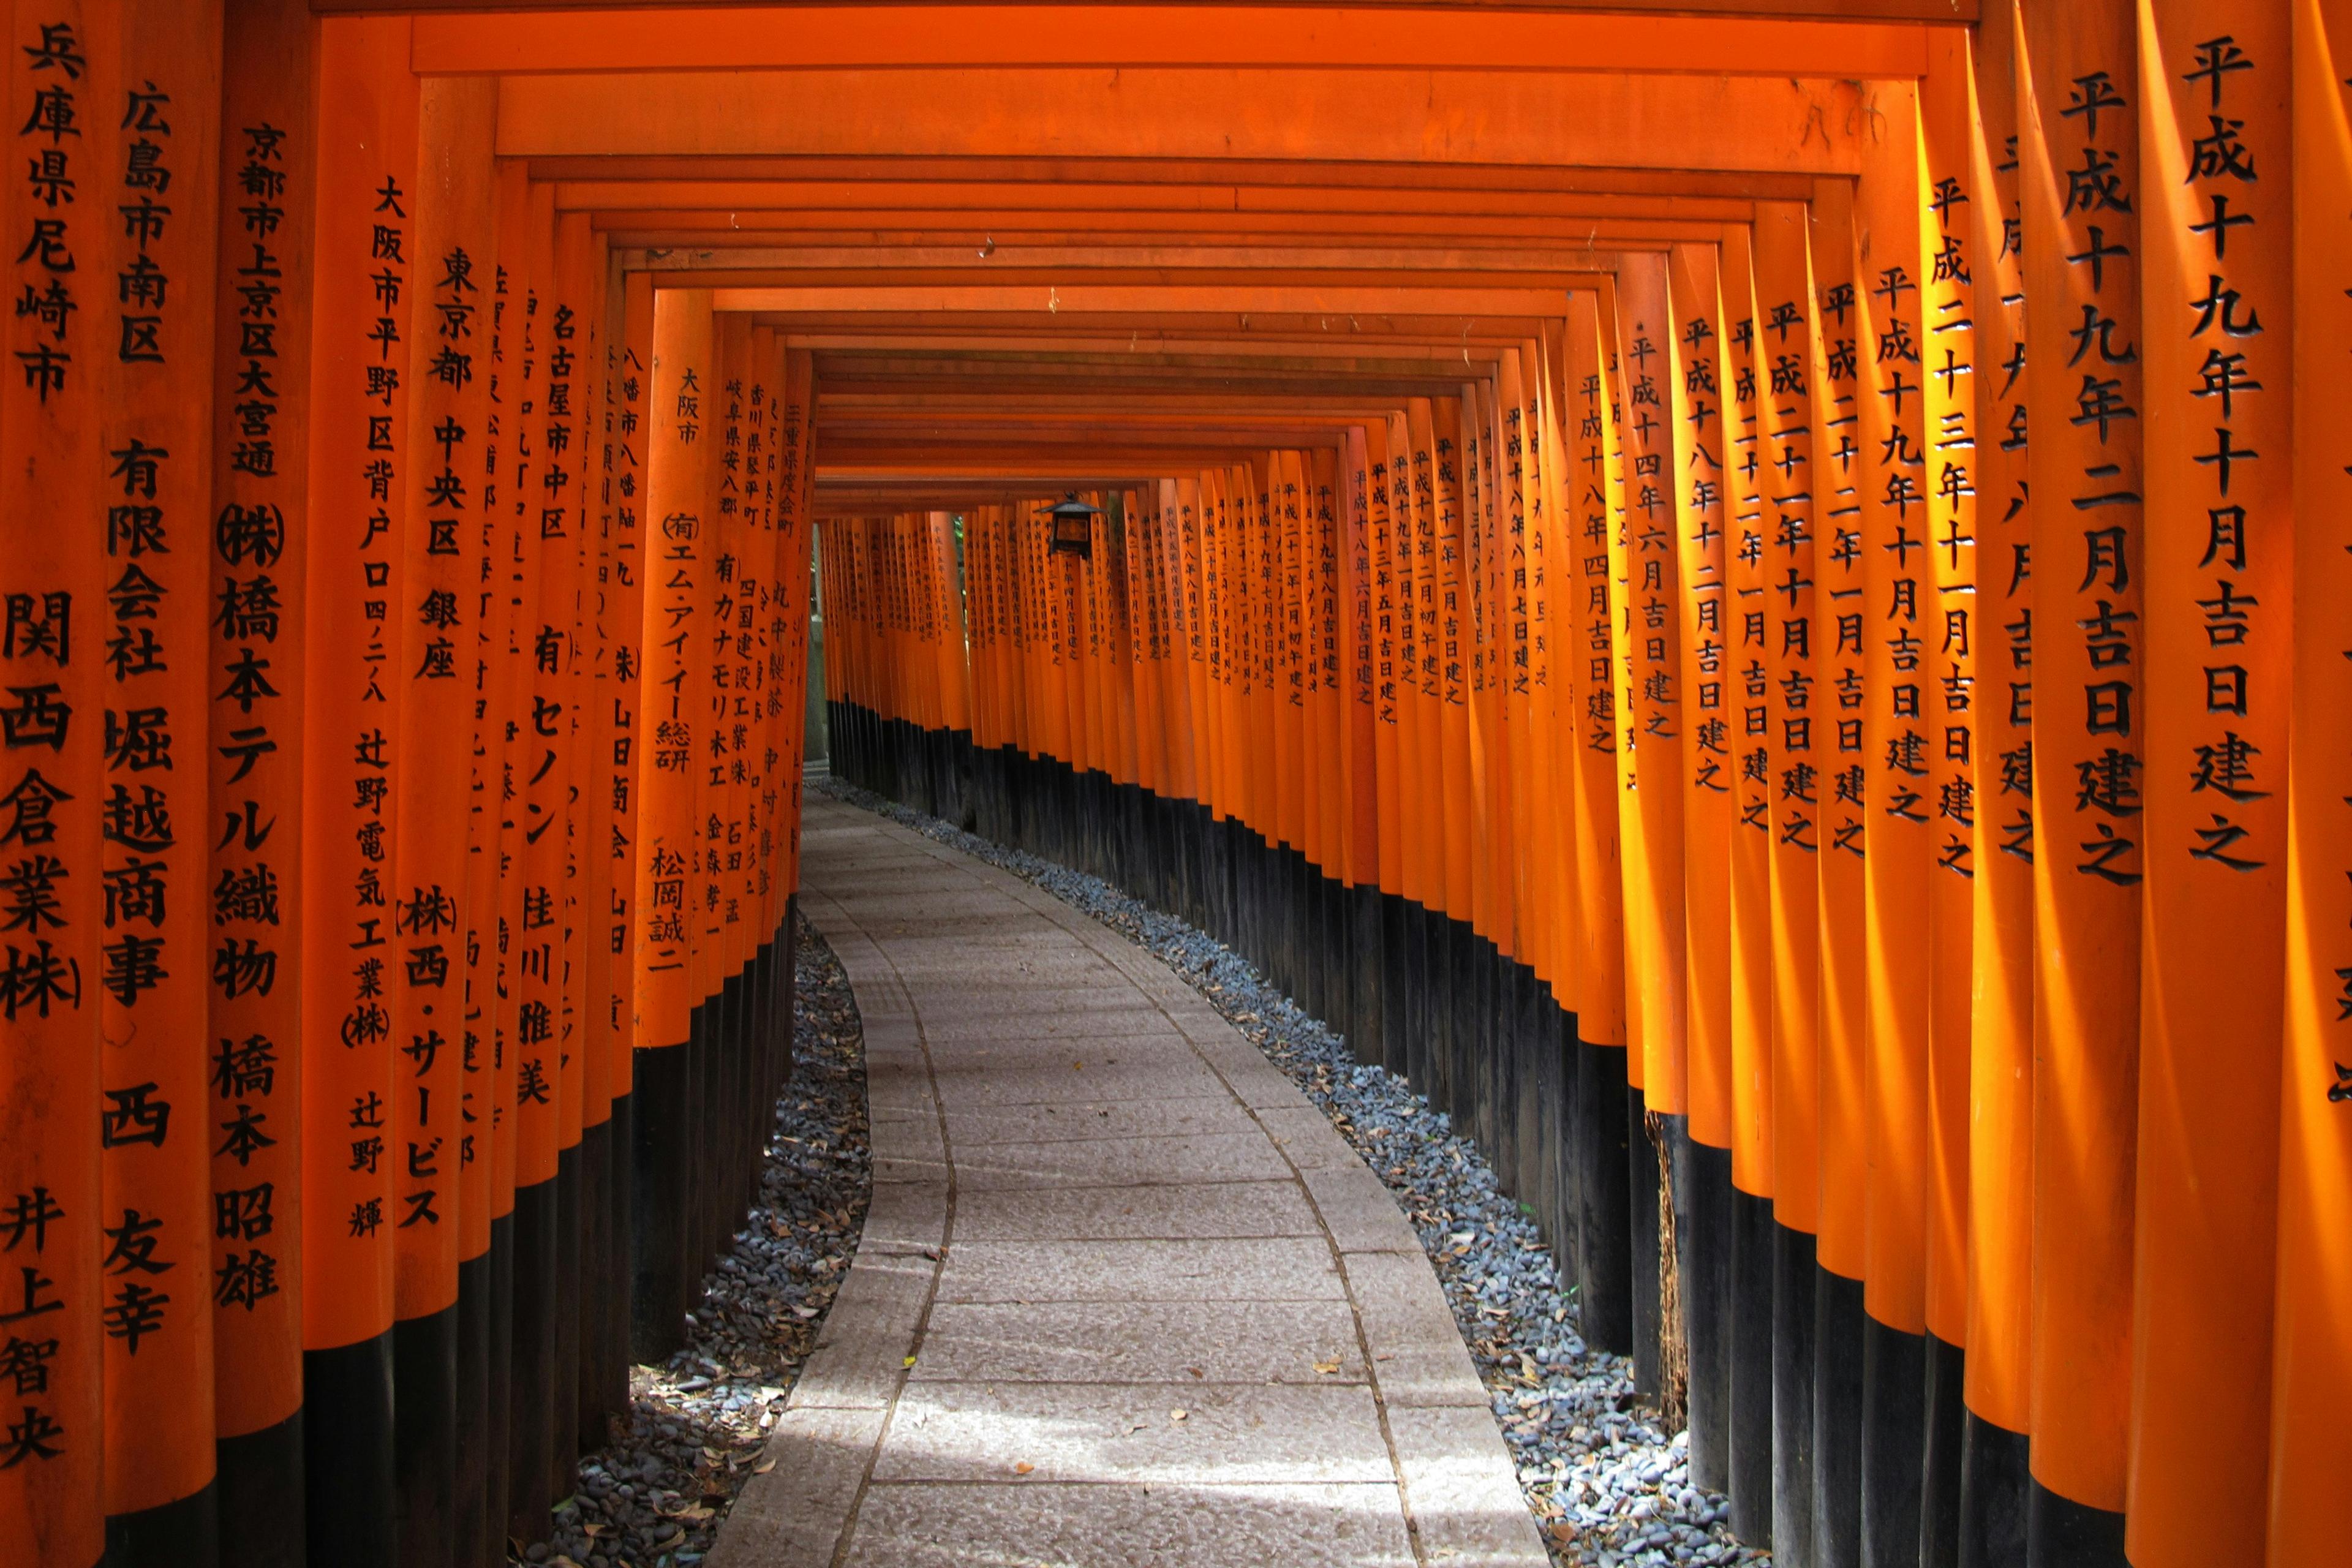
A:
[(2000, 1047), (1749, 679), (795, 519), (2218, 326), (492, 880), (711, 686), (1481, 742), (1129, 631), (255, 576), (1332, 480), (1166, 574), (678, 603), (1518, 552), (1491, 763), (359, 471), (607, 641), (1421, 739), (1130, 686), (1840, 611), (1786, 377), (2310, 1443), (762, 846), (1591, 660), (53, 1356), (575, 362), (1900, 621), (1390, 457), (1387, 673), (1146, 560), (1652, 685), (1708, 774), (1445, 657), (1319, 473), (1948, 304), (527, 1087), (1292, 678), (443, 554), (1551, 593), (160, 242), (2079, 152), (1259, 538)]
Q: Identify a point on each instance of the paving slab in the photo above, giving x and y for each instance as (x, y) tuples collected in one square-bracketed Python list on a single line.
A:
[(1131, 1526), (1123, 1296)]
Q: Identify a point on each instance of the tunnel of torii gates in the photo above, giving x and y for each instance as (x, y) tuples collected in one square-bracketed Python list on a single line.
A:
[(1752, 595)]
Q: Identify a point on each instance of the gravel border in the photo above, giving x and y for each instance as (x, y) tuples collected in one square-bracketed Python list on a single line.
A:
[(1607, 1487), (656, 1496)]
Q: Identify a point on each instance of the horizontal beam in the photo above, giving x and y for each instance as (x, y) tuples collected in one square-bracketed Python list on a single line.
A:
[(1032, 167), (591, 10), (1324, 38), (1104, 196), (1081, 299), (1397, 114)]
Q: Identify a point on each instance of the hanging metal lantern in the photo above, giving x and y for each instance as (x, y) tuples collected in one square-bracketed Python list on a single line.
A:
[(1073, 526)]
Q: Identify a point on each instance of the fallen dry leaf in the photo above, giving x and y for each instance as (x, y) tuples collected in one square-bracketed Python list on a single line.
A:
[(1326, 1367), (1023, 1467), (763, 1466), (1178, 1414)]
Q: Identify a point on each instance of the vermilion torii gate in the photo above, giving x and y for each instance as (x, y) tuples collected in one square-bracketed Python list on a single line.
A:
[(1789, 554)]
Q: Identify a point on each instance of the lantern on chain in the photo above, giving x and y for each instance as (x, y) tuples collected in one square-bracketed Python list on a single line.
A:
[(1072, 526)]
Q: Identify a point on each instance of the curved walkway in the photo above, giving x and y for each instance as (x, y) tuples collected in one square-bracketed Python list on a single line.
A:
[(1123, 1297)]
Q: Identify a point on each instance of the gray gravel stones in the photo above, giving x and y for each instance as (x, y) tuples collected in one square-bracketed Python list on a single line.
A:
[(654, 1496), (1608, 1488)]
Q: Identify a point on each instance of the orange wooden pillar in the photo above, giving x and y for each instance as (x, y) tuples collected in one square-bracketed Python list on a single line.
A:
[(618, 694), (360, 459), (62, 64), (1707, 777), (1991, 1527), (1798, 731), (1902, 626), (506, 597), (1950, 138), (1596, 522), (256, 581), (2219, 598), (2310, 1443), (1652, 695), (533, 843), (2077, 85), (680, 550), (574, 348), (161, 65), (1842, 1008), (1748, 1250), (440, 1348)]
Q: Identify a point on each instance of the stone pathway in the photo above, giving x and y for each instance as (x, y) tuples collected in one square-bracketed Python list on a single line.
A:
[(1124, 1297)]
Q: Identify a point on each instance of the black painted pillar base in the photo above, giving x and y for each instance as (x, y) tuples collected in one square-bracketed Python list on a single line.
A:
[(1702, 1249), (1795, 1323), (259, 1497), (1995, 1487), (531, 1496), (348, 1463), (1642, 1215), (1748, 1310), (424, 1426), (2062, 1533), (1940, 1486), (1894, 1443), (182, 1533), (1601, 1145), (1838, 1351)]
